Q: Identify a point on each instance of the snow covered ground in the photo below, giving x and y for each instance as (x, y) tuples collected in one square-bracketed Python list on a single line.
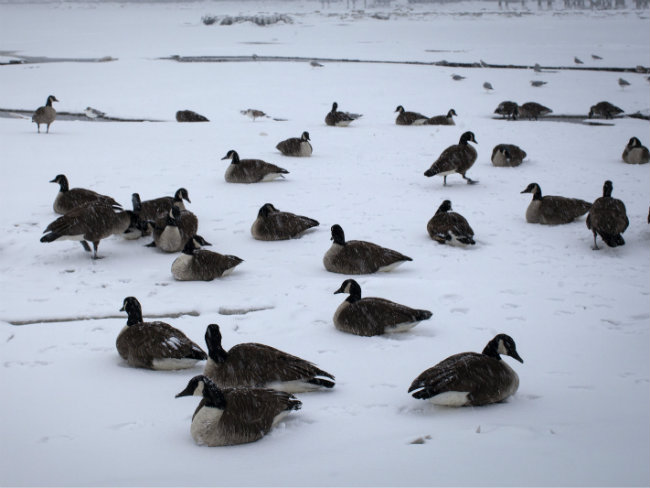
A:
[(74, 414)]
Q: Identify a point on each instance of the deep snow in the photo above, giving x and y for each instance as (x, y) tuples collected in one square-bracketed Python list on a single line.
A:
[(74, 414)]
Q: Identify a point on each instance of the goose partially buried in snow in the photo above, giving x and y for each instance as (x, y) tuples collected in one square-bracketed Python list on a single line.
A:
[(250, 170), (553, 210), (272, 224), (470, 378), (373, 316), (447, 227), (296, 146), (195, 264), (258, 365), (154, 345)]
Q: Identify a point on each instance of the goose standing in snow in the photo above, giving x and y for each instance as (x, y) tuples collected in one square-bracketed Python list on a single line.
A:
[(532, 111), (608, 218), (68, 198), (45, 114), (458, 158), (605, 110)]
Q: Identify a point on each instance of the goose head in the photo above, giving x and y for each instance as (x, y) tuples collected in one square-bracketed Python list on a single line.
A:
[(266, 210), (467, 137), (232, 155), (502, 344), (338, 236), (444, 207), (133, 309), (352, 288), (305, 136), (181, 194)]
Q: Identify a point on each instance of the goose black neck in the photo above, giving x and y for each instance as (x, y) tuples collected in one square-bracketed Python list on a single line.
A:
[(213, 396), (491, 349), (134, 316)]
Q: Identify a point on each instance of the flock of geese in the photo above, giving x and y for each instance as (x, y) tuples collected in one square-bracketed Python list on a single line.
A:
[(246, 390)]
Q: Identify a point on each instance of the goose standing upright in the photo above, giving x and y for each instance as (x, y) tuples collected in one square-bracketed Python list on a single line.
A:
[(45, 114), (340, 119), (553, 210), (68, 198), (250, 170), (608, 218), (458, 158)]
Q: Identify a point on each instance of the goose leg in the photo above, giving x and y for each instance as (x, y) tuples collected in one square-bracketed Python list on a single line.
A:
[(595, 248), (95, 246), (151, 244), (85, 246), (469, 180), (444, 180)]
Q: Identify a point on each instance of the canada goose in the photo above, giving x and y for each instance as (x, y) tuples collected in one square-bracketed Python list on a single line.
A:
[(154, 345), (470, 378), (538, 83), (190, 116), (68, 198), (447, 227), (272, 224), (372, 316), (507, 109), (458, 158), (359, 257), (258, 365), (635, 152), (250, 170), (553, 210), (507, 155), (456, 77), (340, 119), (296, 146), (532, 111), (488, 86), (45, 114), (196, 264), (608, 218), (172, 231), (253, 113), (605, 110), (443, 119), (230, 416), (623, 83), (90, 222), (409, 118), (151, 209)]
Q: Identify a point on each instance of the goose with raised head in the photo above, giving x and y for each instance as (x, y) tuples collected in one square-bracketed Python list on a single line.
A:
[(68, 198), (340, 119), (608, 218), (551, 209), (250, 170), (532, 111), (230, 416), (635, 152), (257, 365), (359, 257), (154, 345), (91, 223), (507, 155), (443, 119), (171, 231), (409, 118), (272, 224), (151, 209), (195, 264), (45, 114), (458, 158), (371, 316), (471, 378), (447, 227), (604, 110), (296, 146)]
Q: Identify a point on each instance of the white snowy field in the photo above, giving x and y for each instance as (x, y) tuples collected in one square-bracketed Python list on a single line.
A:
[(73, 413)]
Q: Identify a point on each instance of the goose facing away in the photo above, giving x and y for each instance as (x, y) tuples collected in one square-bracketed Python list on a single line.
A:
[(45, 114), (507, 155), (447, 227), (458, 158), (250, 170), (359, 257), (635, 152), (196, 264), (373, 316), (532, 110), (608, 218), (340, 119), (261, 366), (470, 378), (172, 230), (91, 223), (296, 146), (553, 210), (68, 198), (605, 110), (443, 119), (230, 416), (154, 345), (409, 118), (272, 224)]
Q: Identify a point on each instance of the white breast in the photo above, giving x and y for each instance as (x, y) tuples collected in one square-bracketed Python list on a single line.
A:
[(181, 267), (170, 239), (204, 427), (532, 212)]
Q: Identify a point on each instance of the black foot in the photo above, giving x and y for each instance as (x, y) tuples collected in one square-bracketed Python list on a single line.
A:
[(85, 246)]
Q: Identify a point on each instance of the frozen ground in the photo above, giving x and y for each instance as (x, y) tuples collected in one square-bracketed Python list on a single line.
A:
[(74, 414)]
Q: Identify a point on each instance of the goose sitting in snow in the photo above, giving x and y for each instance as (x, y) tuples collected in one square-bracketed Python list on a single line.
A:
[(447, 227), (296, 146), (409, 118), (635, 152), (272, 224), (507, 155), (173, 230), (340, 119), (443, 119), (553, 210), (250, 170), (196, 264)]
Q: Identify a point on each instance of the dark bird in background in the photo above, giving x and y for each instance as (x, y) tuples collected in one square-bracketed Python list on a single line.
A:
[(488, 86), (456, 77), (577, 60), (623, 83), (595, 56), (538, 83)]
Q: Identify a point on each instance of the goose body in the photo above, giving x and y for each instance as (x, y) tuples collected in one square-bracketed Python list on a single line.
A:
[(608, 218), (458, 158), (373, 316), (359, 257), (553, 210), (409, 118), (172, 231), (296, 146), (253, 113), (45, 114), (340, 119), (151, 210), (447, 227), (507, 155), (470, 378), (154, 345), (251, 170), (635, 152), (258, 365), (507, 109), (532, 110), (230, 416), (443, 119), (190, 116), (605, 110), (272, 224), (202, 265), (68, 198)]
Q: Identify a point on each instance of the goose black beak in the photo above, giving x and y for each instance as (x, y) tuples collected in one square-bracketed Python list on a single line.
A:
[(516, 356), (186, 392)]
